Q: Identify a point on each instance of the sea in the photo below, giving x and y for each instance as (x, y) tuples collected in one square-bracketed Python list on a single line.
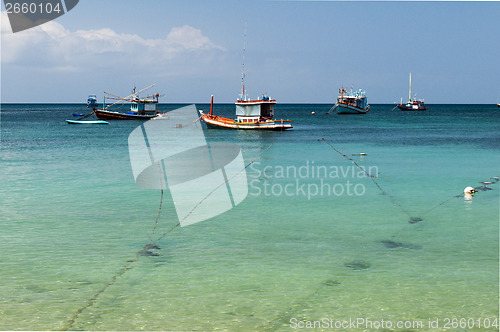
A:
[(349, 223)]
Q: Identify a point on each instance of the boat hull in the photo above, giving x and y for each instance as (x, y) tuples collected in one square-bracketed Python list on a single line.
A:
[(108, 115), (213, 121), (349, 109), (406, 108)]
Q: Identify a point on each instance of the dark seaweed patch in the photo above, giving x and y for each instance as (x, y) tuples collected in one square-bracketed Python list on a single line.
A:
[(358, 265), (414, 220), (395, 245)]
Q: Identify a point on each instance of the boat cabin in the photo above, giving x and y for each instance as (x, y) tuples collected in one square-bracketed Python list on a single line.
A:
[(144, 107), (255, 110), (92, 101), (355, 99)]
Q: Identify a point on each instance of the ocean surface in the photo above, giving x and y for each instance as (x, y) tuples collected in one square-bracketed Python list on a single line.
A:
[(326, 237)]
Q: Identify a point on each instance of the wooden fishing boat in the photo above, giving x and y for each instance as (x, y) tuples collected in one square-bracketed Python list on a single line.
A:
[(354, 102), (250, 114), (140, 108), (412, 105), (257, 114)]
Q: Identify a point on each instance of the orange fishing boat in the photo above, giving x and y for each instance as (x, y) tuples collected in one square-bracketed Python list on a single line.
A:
[(250, 114)]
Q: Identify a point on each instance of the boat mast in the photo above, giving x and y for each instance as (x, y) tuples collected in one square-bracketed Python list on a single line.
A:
[(211, 105), (243, 96), (409, 94)]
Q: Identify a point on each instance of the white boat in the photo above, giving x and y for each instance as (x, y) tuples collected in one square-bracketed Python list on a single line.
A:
[(87, 122), (354, 102), (412, 105)]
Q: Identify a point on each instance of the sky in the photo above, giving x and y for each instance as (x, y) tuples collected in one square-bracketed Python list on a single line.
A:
[(295, 51)]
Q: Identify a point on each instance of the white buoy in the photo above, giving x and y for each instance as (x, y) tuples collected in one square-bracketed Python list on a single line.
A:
[(469, 190), (313, 113)]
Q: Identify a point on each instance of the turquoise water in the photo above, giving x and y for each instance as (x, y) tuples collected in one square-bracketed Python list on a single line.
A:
[(72, 218)]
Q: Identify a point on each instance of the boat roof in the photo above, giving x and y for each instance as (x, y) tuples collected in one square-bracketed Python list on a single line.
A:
[(254, 102)]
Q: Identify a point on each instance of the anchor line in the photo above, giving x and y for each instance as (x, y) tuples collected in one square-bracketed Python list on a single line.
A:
[(129, 264), (214, 190), (495, 178), (159, 208), (93, 299), (412, 220), (371, 177), (291, 311), (157, 218), (330, 110)]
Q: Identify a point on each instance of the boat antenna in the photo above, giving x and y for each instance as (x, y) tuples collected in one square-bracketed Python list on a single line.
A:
[(243, 96)]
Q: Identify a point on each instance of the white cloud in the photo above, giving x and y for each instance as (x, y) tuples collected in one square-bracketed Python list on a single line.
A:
[(52, 46)]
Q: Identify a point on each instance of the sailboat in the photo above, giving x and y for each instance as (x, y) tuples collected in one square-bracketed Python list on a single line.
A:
[(412, 105)]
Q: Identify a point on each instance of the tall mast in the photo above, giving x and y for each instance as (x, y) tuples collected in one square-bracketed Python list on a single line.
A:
[(409, 94), (243, 65)]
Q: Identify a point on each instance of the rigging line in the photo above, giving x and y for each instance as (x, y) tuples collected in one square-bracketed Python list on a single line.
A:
[(372, 178)]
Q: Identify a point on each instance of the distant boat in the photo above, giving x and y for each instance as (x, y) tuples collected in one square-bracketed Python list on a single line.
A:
[(140, 109), (91, 103), (412, 105), (354, 102), (498, 104), (87, 122), (250, 114)]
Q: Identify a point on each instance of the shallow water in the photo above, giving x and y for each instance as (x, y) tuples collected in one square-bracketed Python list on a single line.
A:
[(72, 217)]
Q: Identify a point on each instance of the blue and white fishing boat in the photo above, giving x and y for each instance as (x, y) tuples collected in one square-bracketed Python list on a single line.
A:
[(140, 108), (354, 102)]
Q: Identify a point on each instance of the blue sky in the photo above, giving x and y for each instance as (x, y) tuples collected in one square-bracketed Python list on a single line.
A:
[(296, 51)]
